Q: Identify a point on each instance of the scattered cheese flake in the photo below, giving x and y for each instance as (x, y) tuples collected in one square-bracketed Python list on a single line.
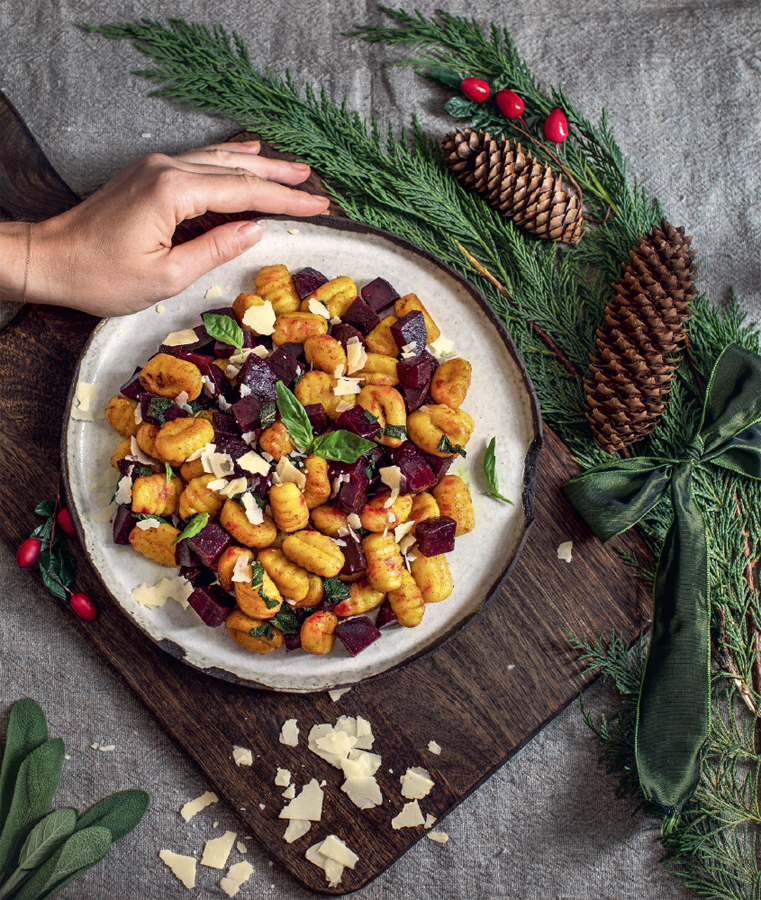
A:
[(219, 464), (290, 794), (416, 784), (408, 350), (178, 588), (138, 415), (510, 667), (94, 746), (293, 231), (214, 291), (232, 488), (136, 454), (429, 821), (197, 454), (215, 825), (242, 571), (242, 756), (82, 415), (440, 346), (441, 837), (217, 850), (333, 870), (334, 848), (252, 462), (337, 693), (403, 530), (319, 309), (124, 491), (237, 876), (283, 777), (261, 319), (391, 476), (66, 756), (434, 747), (286, 471), (356, 355), (107, 749), (86, 394), (363, 791), (232, 372), (208, 386), (182, 867), (161, 309), (339, 370), (409, 817), (296, 828), (354, 521), (346, 386), (181, 307), (564, 551), (289, 733), (195, 806), (336, 320), (249, 437), (104, 515), (228, 287), (337, 742), (307, 805), (262, 806), (254, 515), (241, 847), (177, 338)]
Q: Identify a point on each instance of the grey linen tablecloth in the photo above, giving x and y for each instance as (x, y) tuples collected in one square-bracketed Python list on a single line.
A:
[(681, 83)]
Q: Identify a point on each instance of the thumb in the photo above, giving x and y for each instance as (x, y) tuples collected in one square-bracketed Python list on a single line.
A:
[(195, 258)]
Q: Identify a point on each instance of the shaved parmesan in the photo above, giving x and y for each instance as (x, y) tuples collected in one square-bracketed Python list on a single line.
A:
[(286, 471), (409, 817), (252, 462), (332, 869), (283, 777), (334, 848), (408, 350), (391, 476), (214, 291), (440, 347), (434, 747), (319, 309), (242, 756), (177, 338), (103, 515), (146, 524), (347, 386), (195, 806), (217, 850), (337, 742), (343, 405), (339, 370), (356, 355), (296, 828), (242, 570), (136, 454), (241, 847), (254, 515), (233, 488), (138, 415), (564, 551), (441, 837), (307, 805), (219, 464), (182, 867), (289, 733), (290, 794), (261, 319), (429, 821), (363, 791), (232, 373), (82, 415), (197, 454), (178, 588), (86, 394), (337, 693), (416, 784), (236, 877), (124, 492), (354, 521), (402, 530)]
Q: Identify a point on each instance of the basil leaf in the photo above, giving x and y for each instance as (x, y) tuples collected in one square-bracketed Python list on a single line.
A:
[(47, 836), (223, 329), (119, 812), (169, 472), (341, 446), (264, 631), (286, 620), (46, 508), (196, 523), (27, 730), (446, 446), (257, 574), (294, 417), (335, 590), (268, 414), (490, 472)]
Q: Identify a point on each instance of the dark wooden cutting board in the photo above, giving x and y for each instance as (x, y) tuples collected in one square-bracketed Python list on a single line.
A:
[(481, 696)]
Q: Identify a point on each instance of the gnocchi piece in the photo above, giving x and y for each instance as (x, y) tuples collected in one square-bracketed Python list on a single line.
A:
[(291, 580), (384, 562), (378, 369), (329, 520), (317, 632), (410, 303), (191, 470), (120, 415), (169, 376), (337, 295), (122, 451), (180, 438), (260, 602), (428, 425), (315, 594), (197, 498), (296, 327), (156, 543), (424, 506), (289, 508), (377, 517), (146, 439), (380, 340), (315, 552), (362, 599), (407, 602), (234, 520), (453, 498), (319, 387), (274, 283), (276, 441), (388, 407), (243, 303), (239, 627), (432, 576), (226, 564), (152, 496), (317, 487), (325, 353), (451, 381)]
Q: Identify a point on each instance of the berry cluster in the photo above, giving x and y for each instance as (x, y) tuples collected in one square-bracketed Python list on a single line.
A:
[(511, 106)]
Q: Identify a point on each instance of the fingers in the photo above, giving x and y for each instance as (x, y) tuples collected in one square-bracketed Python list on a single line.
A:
[(190, 261), (215, 160)]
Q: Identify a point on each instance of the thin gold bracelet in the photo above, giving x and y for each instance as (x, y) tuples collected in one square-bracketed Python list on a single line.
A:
[(28, 260)]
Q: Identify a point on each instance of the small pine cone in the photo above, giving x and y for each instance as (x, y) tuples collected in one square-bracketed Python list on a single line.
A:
[(630, 373), (516, 184)]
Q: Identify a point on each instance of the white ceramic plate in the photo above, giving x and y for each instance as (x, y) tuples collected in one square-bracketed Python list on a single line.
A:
[(501, 400)]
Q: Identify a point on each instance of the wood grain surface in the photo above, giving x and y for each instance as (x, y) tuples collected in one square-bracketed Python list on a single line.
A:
[(481, 696)]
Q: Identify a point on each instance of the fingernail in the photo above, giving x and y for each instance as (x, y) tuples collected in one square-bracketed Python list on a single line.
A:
[(254, 146), (249, 233), (300, 167)]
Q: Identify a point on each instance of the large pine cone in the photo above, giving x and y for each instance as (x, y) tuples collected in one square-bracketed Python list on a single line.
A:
[(515, 183), (630, 373)]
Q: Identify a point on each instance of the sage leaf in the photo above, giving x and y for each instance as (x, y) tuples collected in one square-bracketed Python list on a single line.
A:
[(294, 416), (27, 730), (169, 473), (490, 471), (47, 836), (79, 853), (197, 523), (36, 784), (286, 620), (223, 329), (341, 446), (119, 812)]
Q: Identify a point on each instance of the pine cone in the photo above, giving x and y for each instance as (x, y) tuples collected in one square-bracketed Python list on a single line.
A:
[(630, 373), (514, 183)]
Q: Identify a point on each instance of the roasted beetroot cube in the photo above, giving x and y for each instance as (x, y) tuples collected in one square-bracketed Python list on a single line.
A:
[(294, 349), (212, 603), (198, 359), (318, 418), (185, 555), (379, 295), (435, 536), (220, 383), (157, 410), (352, 497), (359, 421), (395, 455), (284, 365), (246, 413), (292, 641), (409, 331), (225, 351), (124, 522), (440, 465), (133, 389), (354, 556), (198, 576), (261, 484), (259, 378), (416, 397), (417, 475), (357, 633), (202, 340), (234, 447), (222, 311), (209, 543), (361, 316), (224, 425), (415, 372), (342, 333), (306, 281), (386, 616)]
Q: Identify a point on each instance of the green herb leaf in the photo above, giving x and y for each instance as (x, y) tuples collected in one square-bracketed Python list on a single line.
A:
[(119, 812), (42, 532), (48, 564), (268, 601), (395, 431), (223, 329), (268, 414), (449, 77), (335, 590), (264, 631), (195, 524), (157, 407), (370, 417), (257, 574), (27, 730), (169, 472), (460, 108), (491, 473), (446, 446), (294, 417), (286, 620), (46, 508), (341, 446), (142, 471), (47, 836), (81, 852), (67, 569)]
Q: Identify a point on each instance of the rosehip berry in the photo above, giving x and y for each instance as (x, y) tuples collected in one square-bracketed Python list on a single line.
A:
[(475, 89), (27, 553), (556, 126), (64, 520), (510, 104), (83, 607)]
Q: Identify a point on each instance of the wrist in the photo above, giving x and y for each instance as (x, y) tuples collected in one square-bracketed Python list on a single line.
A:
[(14, 237)]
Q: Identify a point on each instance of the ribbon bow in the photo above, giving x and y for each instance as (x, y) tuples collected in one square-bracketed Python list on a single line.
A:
[(674, 702)]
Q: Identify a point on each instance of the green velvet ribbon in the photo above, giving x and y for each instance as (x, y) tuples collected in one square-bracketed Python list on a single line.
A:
[(674, 702)]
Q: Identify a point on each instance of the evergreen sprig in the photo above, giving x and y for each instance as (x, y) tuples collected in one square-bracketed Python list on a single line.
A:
[(400, 183)]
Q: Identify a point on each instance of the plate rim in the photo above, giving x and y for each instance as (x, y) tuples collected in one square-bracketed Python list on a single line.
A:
[(530, 465)]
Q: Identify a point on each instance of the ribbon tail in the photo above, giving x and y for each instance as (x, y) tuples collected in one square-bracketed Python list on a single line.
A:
[(673, 713)]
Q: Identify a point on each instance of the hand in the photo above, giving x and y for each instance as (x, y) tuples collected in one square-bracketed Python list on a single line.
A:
[(112, 254)]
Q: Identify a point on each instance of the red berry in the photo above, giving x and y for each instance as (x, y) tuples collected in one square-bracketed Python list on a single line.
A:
[(64, 520), (556, 126), (475, 89), (83, 607), (510, 104), (27, 553)]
